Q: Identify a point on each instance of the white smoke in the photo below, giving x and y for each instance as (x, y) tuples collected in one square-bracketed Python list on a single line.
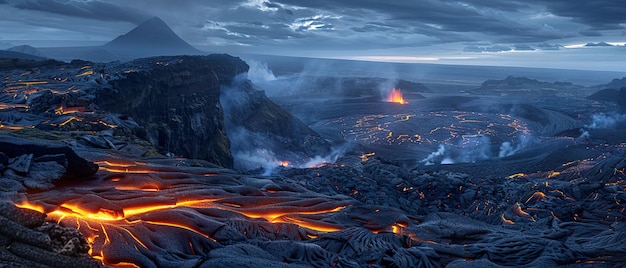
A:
[(258, 159), (265, 159), (447, 161), (600, 121), (506, 149), (584, 135), (509, 148), (474, 148), (331, 158), (435, 156), (259, 72)]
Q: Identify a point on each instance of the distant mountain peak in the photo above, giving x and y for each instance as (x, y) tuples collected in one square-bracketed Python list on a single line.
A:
[(151, 38), (154, 20)]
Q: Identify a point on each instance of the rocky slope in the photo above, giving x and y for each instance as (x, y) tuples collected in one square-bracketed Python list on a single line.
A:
[(611, 95), (615, 83)]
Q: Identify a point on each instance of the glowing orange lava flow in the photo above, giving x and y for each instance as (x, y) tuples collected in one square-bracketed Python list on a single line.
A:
[(396, 96), (132, 208)]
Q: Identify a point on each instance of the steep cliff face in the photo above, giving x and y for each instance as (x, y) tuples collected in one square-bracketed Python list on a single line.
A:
[(200, 107), (176, 101), (265, 135)]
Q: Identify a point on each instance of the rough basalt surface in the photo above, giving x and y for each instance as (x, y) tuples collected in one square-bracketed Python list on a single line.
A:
[(27, 241)]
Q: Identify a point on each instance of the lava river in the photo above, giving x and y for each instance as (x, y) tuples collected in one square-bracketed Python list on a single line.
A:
[(145, 214)]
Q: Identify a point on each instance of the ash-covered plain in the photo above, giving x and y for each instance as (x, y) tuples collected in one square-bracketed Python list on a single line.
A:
[(213, 161)]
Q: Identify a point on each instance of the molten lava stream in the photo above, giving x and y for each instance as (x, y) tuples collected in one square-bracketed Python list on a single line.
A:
[(134, 213), (396, 96)]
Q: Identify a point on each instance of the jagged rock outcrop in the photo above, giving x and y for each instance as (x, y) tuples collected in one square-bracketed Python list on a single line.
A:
[(176, 101), (45, 152)]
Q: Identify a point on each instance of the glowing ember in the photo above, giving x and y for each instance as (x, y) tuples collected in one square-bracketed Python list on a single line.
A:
[(396, 96)]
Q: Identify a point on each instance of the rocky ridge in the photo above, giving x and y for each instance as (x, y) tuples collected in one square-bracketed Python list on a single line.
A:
[(523, 86)]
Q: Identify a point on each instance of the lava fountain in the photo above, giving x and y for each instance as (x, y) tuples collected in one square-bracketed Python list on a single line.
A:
[(396, 96)]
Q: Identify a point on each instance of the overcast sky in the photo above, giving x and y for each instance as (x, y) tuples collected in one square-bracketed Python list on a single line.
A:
[(575, 34)]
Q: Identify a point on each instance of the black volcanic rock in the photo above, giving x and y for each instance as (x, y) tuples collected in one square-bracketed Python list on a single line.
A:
[(612, 95), (608, 94), (77, 167), (151, 38), (176, 100), (28, 241), (7, 54), (10, 60), (615, 83), (621, 100)]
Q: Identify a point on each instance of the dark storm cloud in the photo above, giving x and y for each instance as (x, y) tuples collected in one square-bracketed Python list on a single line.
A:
[(499, 5), (474, 16), (3, 2), (598, 14), (524, 47), (271, 5), (96, 10), (371, 27)]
